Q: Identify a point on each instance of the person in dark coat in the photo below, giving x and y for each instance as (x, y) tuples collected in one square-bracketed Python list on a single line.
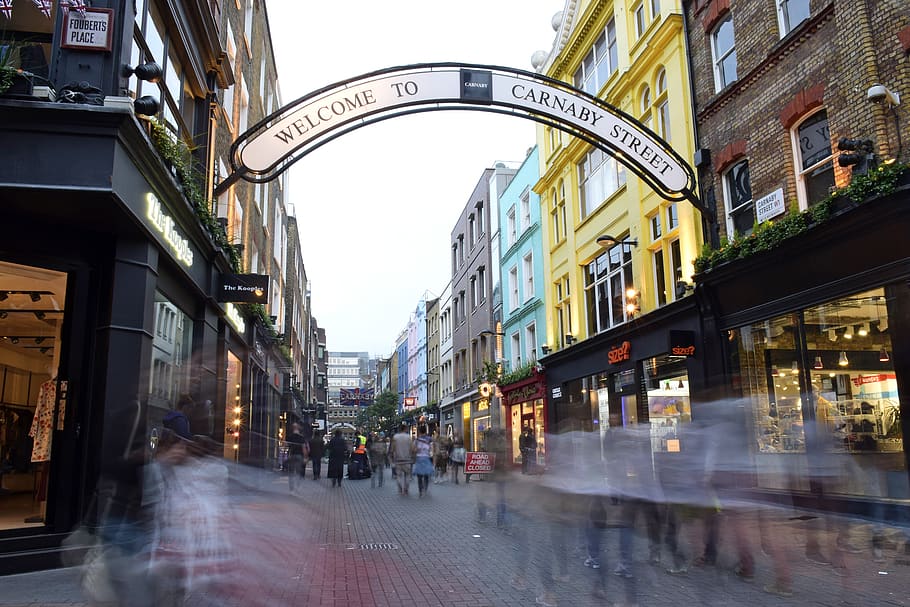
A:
[(338, 453), (317, 450)]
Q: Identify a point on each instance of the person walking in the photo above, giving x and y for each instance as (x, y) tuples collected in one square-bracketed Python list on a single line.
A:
[(457, 458), (423, 460), (528, 446), (317, 451), (402, 453), (338, 452), (297, 450), (379, 451)]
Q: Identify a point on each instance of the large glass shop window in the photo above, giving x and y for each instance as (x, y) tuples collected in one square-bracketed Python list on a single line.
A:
[(851, 398), (666, 383), (31, 414), (170, 377)]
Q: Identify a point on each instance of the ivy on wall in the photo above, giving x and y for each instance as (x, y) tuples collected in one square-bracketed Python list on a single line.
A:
[(770, 234)]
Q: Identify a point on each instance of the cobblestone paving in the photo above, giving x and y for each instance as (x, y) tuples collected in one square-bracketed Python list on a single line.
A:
[(364, 546)]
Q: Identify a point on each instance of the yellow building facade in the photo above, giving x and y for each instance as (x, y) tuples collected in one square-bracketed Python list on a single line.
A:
[(632, 56)]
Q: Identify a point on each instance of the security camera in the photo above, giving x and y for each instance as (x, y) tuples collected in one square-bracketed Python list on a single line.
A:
[(879, 93)]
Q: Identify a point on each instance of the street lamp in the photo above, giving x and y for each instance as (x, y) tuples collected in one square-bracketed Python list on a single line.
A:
[(608, 242)]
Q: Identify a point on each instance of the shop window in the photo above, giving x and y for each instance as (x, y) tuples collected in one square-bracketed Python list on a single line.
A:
[(170, 377), (851, 397), (606, 280), (666, 385), (31, 319)]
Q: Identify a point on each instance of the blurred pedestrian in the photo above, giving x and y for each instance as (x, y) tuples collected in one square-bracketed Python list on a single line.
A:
[(379, 451), (401, 452), (528, 447), (423, 460), (317, 451), (338, 453), (297, 452), (457, 458), (442, 447)]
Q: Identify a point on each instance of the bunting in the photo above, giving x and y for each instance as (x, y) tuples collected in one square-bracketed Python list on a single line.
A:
[(45, 6), (6, 7), (76, 5)]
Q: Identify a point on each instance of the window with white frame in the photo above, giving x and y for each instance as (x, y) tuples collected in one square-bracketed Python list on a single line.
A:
[(676, 264), (790, 13), (525, 210), (600, 62), (599, 176), (248, 25), (530, 342), (554, 216), (654, 222), (814, 160), (561, 190), (563, 314), (515, 350), (244, 110), (655, 9), (660, 276), (738, 199), (645, 106), (723, 52), (511, 227), (638, 17), (606, 281), (527, 269), (513, 288), (672, 217), (662, 102)]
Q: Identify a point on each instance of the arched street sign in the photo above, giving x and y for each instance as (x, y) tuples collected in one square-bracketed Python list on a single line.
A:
[(272, 145)]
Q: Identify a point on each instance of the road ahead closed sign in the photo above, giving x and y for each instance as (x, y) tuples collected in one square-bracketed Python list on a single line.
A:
[(479, 462)]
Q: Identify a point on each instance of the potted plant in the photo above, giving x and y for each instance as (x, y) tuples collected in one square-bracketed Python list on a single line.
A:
[(12, 80)]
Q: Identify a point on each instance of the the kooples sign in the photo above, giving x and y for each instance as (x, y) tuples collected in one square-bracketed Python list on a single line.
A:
[(164, 224), (246, 288), (620, 353), (317, 118)]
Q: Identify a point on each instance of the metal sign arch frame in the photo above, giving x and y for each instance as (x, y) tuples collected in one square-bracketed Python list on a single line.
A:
[(280, 126)]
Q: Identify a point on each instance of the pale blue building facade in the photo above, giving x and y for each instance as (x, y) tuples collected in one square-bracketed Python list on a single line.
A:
[(521, 267)]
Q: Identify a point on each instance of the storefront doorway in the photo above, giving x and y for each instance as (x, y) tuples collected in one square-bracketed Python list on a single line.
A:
[(32, 409)]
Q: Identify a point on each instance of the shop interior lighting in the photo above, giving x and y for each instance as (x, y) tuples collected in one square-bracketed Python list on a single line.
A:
[(863, 330), (35, 296), (681, 386), (794, 368), (818, 362), (842, 359), (848, 332), (39, 315), (3, 314), (883, 355), (832, 334), (774, 371)]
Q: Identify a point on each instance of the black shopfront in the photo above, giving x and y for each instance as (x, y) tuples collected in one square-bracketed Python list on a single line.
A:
[(107, 314), (814, 337), (641, 372)]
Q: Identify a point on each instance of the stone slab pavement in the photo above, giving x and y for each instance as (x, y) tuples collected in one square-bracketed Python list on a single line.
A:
[(364, 546)]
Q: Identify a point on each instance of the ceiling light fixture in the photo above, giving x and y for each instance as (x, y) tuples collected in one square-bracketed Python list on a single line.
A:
[(14, 340), (842, 359), (818, 362), (35, 296), (848, 332), (3, 314), (794, 368), (883, 356), (832, 334), (863, 329), (4, 295), (39, 315)]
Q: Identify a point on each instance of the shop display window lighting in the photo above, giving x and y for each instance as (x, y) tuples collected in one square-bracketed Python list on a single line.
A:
[(842, 359)]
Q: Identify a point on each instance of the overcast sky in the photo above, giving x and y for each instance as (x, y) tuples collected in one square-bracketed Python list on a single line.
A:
[(376, 207)]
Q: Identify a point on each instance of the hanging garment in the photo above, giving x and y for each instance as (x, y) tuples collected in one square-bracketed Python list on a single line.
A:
[(43, 423)]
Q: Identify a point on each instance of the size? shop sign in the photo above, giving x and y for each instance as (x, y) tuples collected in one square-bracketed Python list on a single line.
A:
[(620, 353), (91, 32)]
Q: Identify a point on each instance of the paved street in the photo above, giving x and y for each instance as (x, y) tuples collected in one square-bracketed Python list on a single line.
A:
[(361, 546)]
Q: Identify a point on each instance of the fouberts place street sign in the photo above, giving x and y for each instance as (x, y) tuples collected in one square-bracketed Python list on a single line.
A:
[(271, 146)]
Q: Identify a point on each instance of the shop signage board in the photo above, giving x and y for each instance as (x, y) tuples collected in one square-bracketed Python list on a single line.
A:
[(682, 343), (91, 31), (234, 317), (166, 227), (520, 394), (245, 288), (410, 402), (620, 353), (770, 206), (479, 462)]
